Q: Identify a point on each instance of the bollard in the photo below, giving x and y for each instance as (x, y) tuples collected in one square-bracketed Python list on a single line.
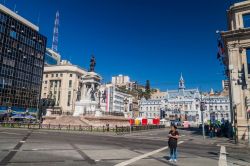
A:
[(91, 129), (115, 128), (103, 129), (49, 126)]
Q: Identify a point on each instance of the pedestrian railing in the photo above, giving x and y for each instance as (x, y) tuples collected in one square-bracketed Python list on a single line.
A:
[(116, 129)]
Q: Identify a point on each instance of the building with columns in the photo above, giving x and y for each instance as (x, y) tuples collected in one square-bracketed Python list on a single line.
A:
[(237, 61), (183, 104), (61, 82)]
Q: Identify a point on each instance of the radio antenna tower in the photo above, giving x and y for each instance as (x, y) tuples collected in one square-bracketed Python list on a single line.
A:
[(55, 33)]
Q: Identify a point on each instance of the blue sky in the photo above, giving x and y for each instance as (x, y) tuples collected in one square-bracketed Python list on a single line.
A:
[(145, 39)]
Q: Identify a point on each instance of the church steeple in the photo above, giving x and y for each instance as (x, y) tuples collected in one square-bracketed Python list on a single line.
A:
[(181, 83)]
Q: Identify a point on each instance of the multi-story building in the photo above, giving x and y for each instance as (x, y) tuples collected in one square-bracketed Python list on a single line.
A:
[(150, 108), (61, 83), (217, 108), (237, 60), (183, 104), (52, 57), (158, 95), (120, 80), (117, 101), (124, 81), (22, 50)]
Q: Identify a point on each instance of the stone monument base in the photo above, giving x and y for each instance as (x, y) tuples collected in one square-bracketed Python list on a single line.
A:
[(98, 113), (84, 107)]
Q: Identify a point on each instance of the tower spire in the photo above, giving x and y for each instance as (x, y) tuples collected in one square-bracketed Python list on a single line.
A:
[(55, 33), (181, 83)]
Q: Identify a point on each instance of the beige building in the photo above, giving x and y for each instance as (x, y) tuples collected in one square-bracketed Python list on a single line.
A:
[(120, 80), (124, 81), (158, 95), (61, 82), (237, 60)]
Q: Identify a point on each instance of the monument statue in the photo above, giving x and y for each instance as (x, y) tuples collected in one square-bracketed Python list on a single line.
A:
[(92, 64), (104, 96)]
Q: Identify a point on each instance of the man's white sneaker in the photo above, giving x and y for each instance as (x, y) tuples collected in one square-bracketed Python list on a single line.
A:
[(170, 160), (175, 160)]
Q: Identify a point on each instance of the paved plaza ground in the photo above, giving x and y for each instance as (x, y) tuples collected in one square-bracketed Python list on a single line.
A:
[(22, 147)]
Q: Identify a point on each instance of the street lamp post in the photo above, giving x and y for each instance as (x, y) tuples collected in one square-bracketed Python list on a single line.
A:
[(125, 104), (202, 104)]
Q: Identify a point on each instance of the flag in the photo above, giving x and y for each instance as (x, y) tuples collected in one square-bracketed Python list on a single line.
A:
[(221, 50)]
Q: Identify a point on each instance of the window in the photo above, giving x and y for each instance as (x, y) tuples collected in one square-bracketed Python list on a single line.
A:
[(69, 98), (70, 75), (226, 107), (56, 75), (46, 75), (70, 83), (45, 82), (248, 59), (221, 108), (216, 108), (61, 75), (52, 75), (13, 34), (246, 20)]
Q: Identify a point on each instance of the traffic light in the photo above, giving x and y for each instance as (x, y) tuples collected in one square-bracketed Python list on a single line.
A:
[(202, 106)]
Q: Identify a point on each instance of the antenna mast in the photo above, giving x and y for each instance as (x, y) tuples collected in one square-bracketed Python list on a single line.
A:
[(55, 33)]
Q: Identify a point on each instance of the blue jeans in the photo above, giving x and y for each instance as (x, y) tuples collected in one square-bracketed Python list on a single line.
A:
[(211, 134), (173, 153)]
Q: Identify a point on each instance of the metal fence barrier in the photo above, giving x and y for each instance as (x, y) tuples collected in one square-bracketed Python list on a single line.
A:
[(106, 128)]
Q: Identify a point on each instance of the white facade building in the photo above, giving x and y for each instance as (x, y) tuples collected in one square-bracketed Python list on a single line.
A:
[(183, 104), (150, 108), (117, 101), (217, 108)]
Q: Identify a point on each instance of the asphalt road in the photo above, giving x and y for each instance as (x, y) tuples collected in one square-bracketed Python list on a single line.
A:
[(21, 147)]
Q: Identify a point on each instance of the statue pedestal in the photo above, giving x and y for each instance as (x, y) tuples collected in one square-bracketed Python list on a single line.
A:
[(126, 114), (98, 113), (85, 107), (48, 112)]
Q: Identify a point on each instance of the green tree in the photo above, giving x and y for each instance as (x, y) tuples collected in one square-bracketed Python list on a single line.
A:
[(147, 93)]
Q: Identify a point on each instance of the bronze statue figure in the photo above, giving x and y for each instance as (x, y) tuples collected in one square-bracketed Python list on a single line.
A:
[(104, 96), (92, 64)]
